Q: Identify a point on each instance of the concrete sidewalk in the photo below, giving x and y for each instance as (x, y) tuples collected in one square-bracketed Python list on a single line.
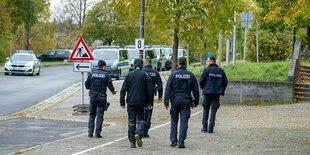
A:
[(279, 129)]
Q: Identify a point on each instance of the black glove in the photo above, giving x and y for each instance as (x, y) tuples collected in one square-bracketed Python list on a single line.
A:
[(223, 94)]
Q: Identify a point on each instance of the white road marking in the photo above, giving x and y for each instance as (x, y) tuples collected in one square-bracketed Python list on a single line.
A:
[(123, 138)]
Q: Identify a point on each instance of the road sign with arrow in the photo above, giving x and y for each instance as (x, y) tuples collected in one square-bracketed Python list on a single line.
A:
[(82, 67)]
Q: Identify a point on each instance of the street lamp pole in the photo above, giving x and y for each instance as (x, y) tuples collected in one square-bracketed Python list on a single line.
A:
[(28, 25), (142, 27)]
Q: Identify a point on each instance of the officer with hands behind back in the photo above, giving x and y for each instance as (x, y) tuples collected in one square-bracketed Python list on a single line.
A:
[(179, 87), (140, 93), (97, 82), (213, 82)]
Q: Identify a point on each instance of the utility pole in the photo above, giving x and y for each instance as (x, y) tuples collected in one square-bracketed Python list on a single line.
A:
[(227, 51), (28, 25), (187, 53), (234, 40), (30, 21), (220, 47), (202, 59), (257, 40), (246, 28), (142, 27)]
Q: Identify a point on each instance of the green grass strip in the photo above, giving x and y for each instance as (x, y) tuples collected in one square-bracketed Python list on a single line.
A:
[(272, 71)]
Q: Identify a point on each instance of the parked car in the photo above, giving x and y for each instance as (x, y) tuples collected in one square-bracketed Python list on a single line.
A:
[(22, 62), (56, 55)]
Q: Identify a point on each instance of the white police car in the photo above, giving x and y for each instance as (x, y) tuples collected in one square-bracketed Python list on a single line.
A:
[(22, 62)]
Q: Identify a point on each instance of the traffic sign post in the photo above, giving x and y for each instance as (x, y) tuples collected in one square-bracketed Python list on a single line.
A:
[(81, 53)]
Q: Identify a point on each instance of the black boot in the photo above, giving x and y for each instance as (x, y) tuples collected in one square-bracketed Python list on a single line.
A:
[(210, 131), (90, 135), (204, 130), (181, 147), (98, 136), (146, 136), (174, 143), (132, 145)]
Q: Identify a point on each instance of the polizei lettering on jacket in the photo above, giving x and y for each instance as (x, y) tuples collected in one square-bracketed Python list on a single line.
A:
[(182, 76), (215, 75), (152, 74), (99, 75)]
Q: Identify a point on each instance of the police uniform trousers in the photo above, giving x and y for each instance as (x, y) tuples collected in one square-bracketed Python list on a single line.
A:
[(179, 107), (148, 122), (95, 103), (136, 112), (213, 101)]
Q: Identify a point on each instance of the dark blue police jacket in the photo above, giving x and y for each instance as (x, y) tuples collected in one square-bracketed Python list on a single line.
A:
[(213, 80), (181, 83), (156, 80), (98, 81)]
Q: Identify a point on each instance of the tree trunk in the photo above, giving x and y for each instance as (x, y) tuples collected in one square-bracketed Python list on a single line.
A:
[(175, 50), (308, 31)]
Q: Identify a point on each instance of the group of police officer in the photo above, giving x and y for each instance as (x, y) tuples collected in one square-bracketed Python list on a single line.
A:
[(140, 85)]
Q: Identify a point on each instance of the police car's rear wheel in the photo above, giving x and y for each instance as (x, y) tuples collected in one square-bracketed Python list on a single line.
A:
[(6, 73)]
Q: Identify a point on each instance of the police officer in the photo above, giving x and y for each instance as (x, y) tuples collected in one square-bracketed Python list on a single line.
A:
[(213, 82), (179, 87), (157, 86), (140, 94), (97, 82)]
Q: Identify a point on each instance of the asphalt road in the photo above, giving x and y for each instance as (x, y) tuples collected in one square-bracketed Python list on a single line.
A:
[(18, 92), (19, 133)]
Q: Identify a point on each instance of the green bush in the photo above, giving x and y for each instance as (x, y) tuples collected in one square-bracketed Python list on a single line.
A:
[(274, 71), (272, 46)]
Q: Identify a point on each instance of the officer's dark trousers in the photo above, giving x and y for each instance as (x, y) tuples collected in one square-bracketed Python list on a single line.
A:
[(136, 112), (95, 103), (148, 120), (213, 101), (179, 107)]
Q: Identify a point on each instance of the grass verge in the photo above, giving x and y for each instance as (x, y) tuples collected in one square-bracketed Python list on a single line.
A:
[(265, 103), (273, 71), (55, 63)]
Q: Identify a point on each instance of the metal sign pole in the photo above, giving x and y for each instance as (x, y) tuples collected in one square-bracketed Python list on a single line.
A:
[(257, 39), (187, 52), (142, 26), (82, 87), (227, 51), (234, 40), (220, 47), (246, 28), (82, 73)]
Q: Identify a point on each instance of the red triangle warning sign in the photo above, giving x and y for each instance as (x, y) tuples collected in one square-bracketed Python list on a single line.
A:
[(81, 52)]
